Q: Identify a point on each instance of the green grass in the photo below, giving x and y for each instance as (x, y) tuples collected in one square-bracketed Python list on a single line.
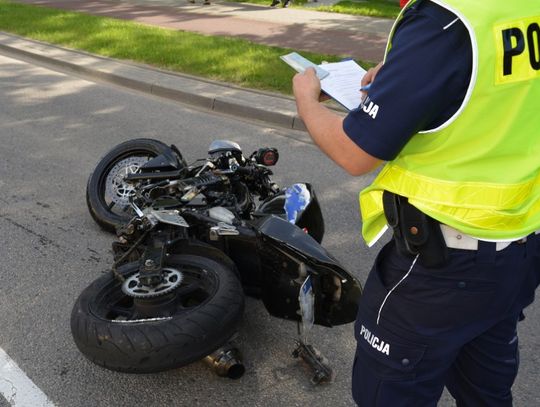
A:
[(219, 58), (372, 8)]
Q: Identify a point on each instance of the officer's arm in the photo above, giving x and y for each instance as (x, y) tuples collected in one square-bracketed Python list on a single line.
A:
[(326, 127)]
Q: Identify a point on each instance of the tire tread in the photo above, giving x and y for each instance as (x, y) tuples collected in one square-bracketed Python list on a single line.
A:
[(159, 345)]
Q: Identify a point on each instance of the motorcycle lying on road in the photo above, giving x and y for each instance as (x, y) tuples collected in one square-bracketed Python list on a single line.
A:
[(192, 241)]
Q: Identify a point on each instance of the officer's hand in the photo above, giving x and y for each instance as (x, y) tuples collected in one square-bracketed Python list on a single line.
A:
[(370, 75), (306, 86)]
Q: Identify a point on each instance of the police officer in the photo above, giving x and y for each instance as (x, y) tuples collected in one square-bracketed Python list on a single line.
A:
[(454, 111)]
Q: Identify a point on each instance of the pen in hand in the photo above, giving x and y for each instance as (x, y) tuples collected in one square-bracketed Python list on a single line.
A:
[(365, 88)]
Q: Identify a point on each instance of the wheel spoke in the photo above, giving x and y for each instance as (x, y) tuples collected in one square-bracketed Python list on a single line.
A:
[(116, 185)]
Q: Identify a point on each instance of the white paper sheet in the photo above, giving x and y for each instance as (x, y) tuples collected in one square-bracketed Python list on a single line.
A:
[(343, 83)]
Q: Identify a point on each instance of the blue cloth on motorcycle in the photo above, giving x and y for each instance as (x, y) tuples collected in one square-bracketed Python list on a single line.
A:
[(409, 95), (297, 198), (454, 326)]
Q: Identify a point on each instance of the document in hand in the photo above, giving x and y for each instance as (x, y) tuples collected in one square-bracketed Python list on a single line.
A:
[(299, 64), (341, 81)]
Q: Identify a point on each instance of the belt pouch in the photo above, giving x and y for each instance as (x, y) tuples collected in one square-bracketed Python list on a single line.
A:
[(414, 231)]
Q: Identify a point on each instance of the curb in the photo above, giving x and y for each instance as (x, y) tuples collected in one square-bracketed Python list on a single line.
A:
[(273, 109)]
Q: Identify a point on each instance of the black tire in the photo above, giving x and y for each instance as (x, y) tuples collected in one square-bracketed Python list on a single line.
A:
[(194, 329), (110, 212)]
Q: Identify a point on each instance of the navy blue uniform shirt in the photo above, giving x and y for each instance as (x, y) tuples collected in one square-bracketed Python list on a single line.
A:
[(421, 85)]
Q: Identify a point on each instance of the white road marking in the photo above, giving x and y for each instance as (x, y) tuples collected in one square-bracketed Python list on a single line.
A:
[(17, 388)]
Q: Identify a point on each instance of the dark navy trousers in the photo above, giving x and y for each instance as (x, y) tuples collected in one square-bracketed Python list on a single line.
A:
[(452, 326)]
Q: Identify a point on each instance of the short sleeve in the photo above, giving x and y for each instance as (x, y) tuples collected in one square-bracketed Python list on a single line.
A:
[(421, 85)]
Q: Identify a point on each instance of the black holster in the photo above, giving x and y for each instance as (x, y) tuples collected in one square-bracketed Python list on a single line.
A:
[(414, 231)]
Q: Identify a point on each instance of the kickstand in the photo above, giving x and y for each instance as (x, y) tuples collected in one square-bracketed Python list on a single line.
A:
[(314, 358)]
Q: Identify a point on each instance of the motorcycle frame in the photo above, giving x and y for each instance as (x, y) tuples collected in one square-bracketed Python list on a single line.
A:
[(272, 257)]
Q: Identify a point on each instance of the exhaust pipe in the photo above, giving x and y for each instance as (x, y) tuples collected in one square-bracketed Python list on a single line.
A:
[(226, 362)]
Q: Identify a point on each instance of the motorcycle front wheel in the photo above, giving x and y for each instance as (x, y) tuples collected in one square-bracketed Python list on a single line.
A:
[(152, 334), (107, 194)]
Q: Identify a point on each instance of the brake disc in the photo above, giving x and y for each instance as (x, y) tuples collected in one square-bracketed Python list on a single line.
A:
[(172, 278), (116, 188)]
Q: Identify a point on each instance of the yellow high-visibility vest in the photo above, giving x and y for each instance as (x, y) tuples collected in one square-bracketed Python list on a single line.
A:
[(478, 172)]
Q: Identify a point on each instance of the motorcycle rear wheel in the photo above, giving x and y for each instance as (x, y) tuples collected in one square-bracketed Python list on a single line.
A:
[(107, 195), (200, 316)]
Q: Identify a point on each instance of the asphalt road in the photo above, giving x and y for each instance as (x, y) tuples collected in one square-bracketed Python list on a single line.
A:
[(53, 130)]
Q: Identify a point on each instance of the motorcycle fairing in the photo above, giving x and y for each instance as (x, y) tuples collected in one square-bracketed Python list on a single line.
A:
[(287, 254), (167, 161)]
